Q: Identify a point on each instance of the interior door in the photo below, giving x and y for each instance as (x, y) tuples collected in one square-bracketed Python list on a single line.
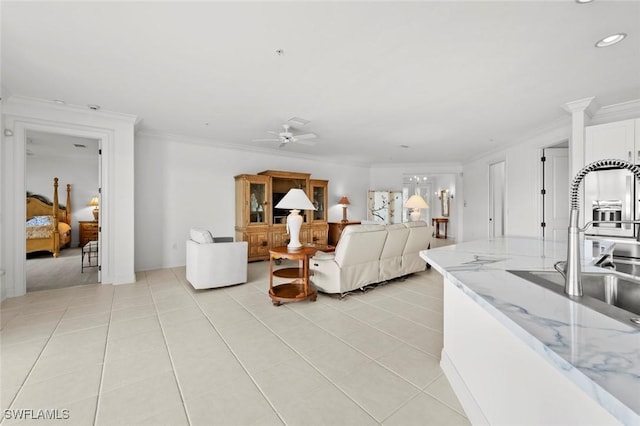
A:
[(555, 193), (102, 207), (497, 199)]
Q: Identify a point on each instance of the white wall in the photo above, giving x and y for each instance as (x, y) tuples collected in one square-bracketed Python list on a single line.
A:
[(523, 183), (442, 176), (115, 132), (181, 182), (81, 173), (523, 176)]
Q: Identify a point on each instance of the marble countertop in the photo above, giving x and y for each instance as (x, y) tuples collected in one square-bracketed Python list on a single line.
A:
[(597, 353)]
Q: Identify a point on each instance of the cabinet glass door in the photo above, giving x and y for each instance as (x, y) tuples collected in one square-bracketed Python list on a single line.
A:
[(319, 200), (257, 198)]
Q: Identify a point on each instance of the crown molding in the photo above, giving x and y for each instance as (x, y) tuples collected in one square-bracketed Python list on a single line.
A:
[(16, 102), (587, 105), (617, 112), (433, 168), (246, 148), (548, 131)]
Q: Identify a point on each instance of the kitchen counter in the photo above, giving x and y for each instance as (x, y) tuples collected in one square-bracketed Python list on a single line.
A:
[(599, 355)]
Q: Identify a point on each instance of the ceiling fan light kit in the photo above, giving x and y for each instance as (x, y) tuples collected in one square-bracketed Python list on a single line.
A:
[(287, 137)]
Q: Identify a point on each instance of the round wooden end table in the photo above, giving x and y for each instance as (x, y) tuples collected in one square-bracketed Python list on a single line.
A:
[(300, 288)]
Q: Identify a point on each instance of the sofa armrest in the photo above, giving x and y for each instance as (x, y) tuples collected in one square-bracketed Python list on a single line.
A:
[(322, 256), (222, 239)]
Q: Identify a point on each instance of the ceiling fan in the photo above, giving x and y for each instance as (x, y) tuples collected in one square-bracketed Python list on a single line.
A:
[(287, 137)]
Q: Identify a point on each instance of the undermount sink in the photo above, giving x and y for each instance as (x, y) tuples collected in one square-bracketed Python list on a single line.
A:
[(608, 293)]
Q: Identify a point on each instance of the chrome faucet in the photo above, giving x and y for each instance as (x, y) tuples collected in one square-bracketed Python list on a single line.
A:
[(571, 269)]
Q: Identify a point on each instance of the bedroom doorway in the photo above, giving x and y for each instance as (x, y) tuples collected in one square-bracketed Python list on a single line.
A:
[(74, 161)]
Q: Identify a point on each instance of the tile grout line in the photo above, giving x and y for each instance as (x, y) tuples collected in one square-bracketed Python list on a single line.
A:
[(375, 328), (348, 344), (166, 344), (233, 352), (305, 359), (35, 363), (104, 359)]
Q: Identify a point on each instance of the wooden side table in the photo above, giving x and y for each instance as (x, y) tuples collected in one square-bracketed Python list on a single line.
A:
[(336, 228), (88, 231), (436, 221), (300, 288)]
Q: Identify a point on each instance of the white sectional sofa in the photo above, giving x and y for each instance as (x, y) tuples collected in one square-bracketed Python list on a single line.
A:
[(368, 254)]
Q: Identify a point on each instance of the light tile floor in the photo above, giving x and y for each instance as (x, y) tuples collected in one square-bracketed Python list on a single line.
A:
[(158, 352)]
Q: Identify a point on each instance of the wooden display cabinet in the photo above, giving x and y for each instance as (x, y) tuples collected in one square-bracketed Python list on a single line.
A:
[(252, 200), (262, 225)]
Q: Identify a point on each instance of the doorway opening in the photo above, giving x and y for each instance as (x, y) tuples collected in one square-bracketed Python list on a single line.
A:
[(555, 192), (75, 162), (497, 201)]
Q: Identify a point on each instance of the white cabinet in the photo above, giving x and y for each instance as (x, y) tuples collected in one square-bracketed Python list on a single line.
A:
[(619, 140)]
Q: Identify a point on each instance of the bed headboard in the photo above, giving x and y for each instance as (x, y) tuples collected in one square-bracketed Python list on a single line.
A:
[(38, 205)]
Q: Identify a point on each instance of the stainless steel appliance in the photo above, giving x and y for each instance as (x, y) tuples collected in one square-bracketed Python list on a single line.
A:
[(610, 196)]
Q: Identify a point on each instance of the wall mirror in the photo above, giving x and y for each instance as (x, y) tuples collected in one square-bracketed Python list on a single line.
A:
[(445, 201)]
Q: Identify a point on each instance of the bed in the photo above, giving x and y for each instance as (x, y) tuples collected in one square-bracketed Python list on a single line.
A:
[(48, 226)]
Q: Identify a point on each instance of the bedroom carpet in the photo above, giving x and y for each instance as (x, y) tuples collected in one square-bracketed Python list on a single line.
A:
[(44, 272), (158, 352)]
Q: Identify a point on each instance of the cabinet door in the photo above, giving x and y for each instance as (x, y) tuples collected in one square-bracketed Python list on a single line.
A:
[(318, 190), (257, 197), (611, 140), (278, 237), (319, 235), (258, 244)]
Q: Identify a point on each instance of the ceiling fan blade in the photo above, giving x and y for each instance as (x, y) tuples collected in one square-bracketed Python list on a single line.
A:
[(303, 142), (266, 140), (283, 144), (271, 132), (305, 136)]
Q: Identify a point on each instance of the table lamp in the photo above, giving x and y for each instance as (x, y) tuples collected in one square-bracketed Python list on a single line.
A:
[(295, 200), (415, 203), (344, 202), (94, 203)]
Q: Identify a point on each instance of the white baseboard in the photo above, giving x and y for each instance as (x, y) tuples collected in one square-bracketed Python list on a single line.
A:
[(469, 404)]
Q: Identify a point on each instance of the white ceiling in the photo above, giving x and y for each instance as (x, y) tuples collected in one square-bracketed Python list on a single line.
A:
[(55, 145), (449, 79)]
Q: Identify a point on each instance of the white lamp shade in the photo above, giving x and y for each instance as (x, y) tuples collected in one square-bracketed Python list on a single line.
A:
[(295, 199), (416, 202)]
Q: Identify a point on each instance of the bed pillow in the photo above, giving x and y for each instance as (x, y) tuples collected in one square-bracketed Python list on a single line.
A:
[(201, 235), (40, 221)]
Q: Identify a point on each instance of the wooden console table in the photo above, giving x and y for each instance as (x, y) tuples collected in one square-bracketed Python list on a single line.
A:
[(336, 228), (300, 288), (436, 221)]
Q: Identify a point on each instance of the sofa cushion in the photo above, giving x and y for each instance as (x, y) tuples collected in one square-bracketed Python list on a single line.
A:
[(200, 235)]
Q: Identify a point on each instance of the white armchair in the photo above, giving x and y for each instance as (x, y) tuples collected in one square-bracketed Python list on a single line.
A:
[(215, 262)]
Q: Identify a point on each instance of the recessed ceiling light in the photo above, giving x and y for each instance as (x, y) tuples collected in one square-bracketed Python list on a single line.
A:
[(611, 40), (59, 101), (583, 1), (404, 146), (93, 107)]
